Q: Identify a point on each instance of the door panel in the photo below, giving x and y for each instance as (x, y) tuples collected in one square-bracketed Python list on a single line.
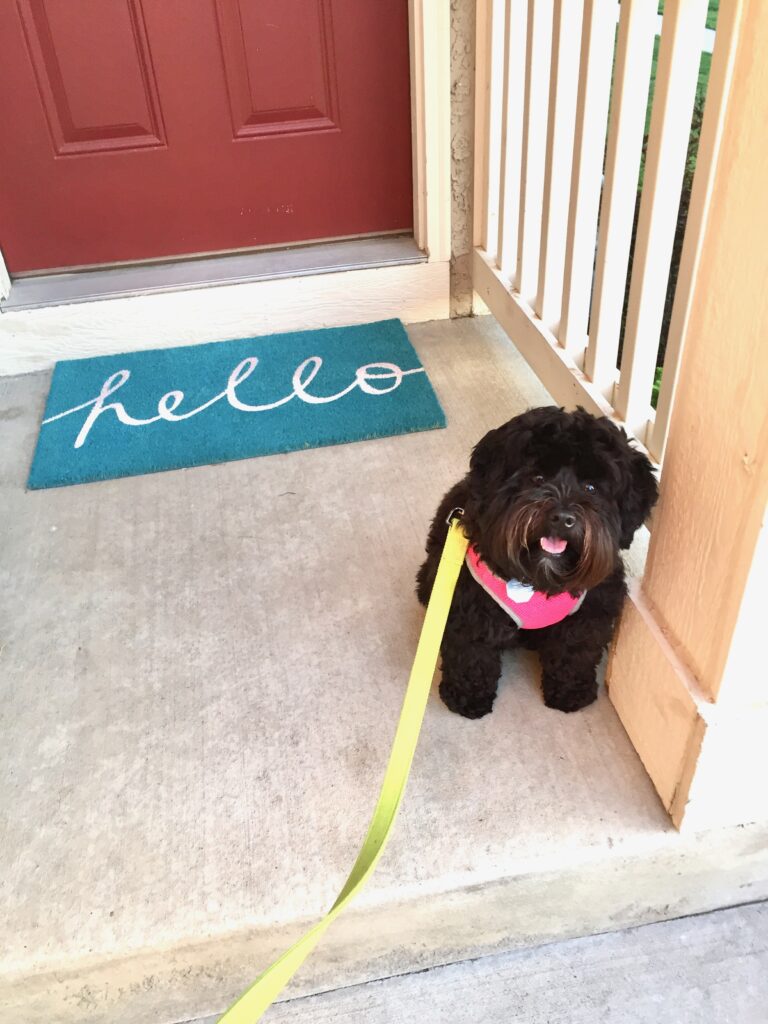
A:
[(279, 81), (97, 88), (156, 128)]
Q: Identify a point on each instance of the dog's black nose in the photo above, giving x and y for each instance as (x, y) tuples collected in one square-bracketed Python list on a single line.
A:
[(564, 519)]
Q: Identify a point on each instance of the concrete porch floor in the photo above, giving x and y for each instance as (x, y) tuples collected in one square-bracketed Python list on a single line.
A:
[(194, 739)]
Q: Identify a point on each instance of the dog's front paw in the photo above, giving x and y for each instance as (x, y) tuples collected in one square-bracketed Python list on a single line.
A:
[(569, 696), (465, 702)]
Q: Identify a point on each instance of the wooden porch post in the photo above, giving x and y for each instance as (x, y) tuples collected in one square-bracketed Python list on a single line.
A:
[(689, 672)]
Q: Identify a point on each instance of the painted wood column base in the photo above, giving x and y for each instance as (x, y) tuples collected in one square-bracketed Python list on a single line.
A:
[(708, 762)]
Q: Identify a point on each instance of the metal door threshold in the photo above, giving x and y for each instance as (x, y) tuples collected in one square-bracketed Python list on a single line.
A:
[(205, 272)]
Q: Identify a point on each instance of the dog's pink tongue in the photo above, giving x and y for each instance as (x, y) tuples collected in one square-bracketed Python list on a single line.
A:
[(553, 545)]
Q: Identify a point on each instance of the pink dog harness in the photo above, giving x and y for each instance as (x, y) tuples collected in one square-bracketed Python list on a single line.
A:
[(529, 608)]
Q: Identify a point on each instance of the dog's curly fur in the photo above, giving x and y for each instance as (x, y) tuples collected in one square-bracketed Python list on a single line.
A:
[(546, 473)]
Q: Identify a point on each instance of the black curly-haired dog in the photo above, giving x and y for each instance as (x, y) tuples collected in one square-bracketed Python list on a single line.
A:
[(550, 499)]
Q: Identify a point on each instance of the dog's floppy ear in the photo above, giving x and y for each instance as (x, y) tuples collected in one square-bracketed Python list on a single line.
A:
[(641, 492), (487, 452), (503, 450)]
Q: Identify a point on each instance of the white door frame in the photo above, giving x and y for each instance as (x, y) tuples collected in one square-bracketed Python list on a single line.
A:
[(33, 339)]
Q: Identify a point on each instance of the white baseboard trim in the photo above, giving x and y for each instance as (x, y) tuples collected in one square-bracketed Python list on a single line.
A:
[(33, 339)]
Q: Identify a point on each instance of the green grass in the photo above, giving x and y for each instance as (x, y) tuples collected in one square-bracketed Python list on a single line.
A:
[(656, 386)]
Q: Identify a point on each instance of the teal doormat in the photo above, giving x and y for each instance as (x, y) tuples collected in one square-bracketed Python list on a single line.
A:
[(144, 412)]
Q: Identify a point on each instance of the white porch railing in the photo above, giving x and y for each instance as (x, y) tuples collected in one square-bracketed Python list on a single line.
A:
[(559, 134)]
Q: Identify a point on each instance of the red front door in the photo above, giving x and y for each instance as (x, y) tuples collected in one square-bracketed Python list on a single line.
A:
[(137, 129)]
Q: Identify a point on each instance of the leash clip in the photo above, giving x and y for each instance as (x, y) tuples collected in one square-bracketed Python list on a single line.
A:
[(455, 513)]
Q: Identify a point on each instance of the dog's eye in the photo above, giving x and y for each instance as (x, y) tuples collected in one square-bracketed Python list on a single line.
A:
[(538, 479), (590, 488)]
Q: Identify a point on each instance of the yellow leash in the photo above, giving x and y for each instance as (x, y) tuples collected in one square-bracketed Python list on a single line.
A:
[(262, 993)]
